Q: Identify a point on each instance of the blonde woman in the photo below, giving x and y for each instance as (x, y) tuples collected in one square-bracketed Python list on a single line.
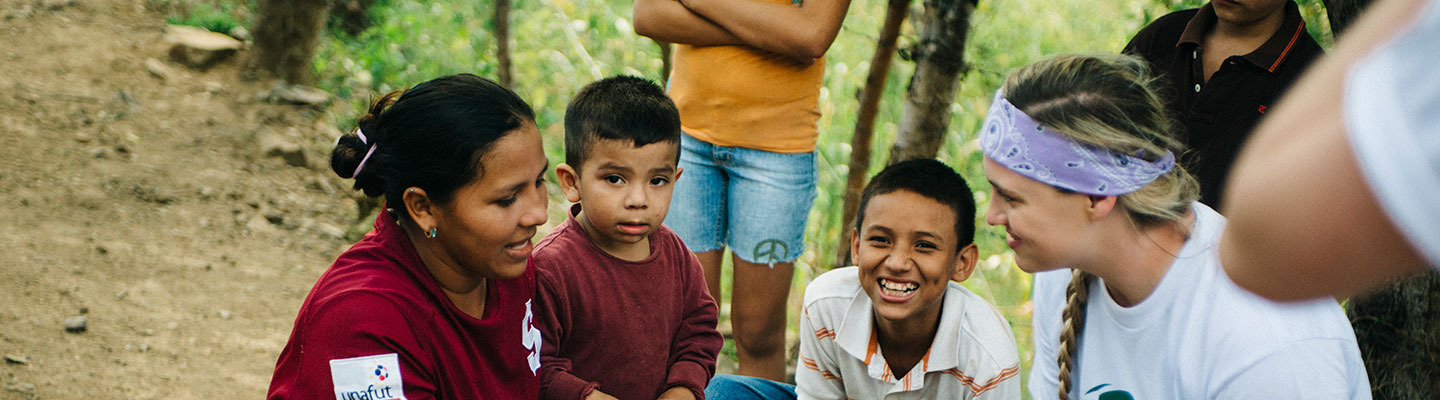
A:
[(1082, 161)]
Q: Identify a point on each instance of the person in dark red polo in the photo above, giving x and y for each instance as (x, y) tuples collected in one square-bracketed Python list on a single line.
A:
[(1221, 67)]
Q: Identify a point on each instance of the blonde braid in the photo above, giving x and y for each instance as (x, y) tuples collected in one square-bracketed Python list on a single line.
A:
[(1073, 321)]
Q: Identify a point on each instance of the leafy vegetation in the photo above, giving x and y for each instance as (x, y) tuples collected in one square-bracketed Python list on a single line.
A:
[(220, 16)]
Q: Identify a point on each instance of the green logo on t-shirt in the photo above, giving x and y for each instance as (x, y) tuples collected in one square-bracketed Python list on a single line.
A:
[(1111, 394)]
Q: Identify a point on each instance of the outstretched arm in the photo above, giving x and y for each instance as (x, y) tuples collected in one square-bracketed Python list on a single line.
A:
[(802, 32), (669, 21), (1303, 222)]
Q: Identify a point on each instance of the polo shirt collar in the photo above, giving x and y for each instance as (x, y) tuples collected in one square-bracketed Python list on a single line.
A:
[(1269, 55), (856, 335)]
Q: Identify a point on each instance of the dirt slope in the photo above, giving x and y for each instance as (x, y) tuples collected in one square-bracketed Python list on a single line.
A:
[(147, 206)]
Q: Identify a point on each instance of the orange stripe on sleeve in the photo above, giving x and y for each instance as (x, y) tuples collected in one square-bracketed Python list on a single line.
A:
[(995, 382)]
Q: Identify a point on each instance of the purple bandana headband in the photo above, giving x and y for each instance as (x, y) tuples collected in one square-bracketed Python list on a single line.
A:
[(1012, 139)]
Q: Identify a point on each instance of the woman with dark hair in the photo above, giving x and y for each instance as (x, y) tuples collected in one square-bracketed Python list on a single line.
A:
[(435, 301)]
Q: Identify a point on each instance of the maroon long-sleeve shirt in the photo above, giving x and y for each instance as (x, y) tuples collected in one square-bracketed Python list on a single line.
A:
[(377, 326), (631, 329)]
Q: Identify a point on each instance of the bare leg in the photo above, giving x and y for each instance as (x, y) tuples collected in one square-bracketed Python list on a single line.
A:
[(758, 311), (710, 262)]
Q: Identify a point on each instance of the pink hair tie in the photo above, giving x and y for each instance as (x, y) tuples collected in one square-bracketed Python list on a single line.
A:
[(366, 141)]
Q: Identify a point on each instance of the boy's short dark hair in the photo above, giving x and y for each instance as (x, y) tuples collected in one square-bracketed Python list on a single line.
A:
[(619, 108), (932, 179)]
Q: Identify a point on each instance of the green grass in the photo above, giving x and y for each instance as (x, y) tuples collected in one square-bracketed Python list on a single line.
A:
[(219, 16), (561, 45)]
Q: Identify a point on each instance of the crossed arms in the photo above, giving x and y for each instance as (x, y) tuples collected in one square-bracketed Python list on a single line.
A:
[(800, 31)]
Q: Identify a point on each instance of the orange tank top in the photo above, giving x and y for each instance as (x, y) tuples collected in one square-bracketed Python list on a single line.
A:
[(740, 96)]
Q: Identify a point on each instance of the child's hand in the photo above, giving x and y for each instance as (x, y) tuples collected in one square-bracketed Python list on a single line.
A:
[(599, 395), (678, 393)]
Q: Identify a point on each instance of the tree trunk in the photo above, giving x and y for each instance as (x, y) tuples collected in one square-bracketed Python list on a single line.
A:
[(1342, 13), (502, 43), (939, 61), (865, 122), (286, 33), (1398, 328), (353, 14)]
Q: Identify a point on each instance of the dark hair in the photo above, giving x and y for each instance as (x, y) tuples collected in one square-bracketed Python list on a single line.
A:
[(929, 178), (619, 108), (432, 136)]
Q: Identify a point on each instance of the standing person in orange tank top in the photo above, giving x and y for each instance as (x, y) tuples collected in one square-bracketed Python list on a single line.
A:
[(747, 82)]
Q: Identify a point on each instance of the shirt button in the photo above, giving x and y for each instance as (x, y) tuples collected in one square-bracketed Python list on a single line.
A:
[(1197, 88)]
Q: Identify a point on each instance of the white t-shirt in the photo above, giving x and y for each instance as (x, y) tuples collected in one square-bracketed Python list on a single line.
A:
[(1391, 110), (1198, 336), (973, 355)]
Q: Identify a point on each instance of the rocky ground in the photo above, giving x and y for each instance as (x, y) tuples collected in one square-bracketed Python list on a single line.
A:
[(176, 210)]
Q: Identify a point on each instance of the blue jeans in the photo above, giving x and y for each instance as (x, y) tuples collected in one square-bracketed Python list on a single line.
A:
[(754, 201), (736, 387)]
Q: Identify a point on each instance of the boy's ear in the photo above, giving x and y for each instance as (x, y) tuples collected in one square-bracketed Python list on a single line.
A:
[(1100, 206), (424, 212), (965, 264), (678, 170), (569, 181)]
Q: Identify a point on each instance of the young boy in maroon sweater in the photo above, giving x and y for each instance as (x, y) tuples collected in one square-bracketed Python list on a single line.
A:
[(622, 304)]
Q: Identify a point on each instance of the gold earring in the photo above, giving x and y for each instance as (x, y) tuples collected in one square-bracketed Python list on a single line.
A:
[(431, 233)]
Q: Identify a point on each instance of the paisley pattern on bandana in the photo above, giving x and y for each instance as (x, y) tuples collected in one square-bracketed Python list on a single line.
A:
[(1012, 139)]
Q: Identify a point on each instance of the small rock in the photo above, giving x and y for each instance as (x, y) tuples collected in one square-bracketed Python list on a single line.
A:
[(198, 48), (53, 5), (258, 224), (148, 332), (121, 295), (24, 12), (172, 325), (224, 314), (240, 33), (213, 87), (26, 389), (125, 103), (276, 217), (158, 69), (144, 348), (14, 359), (330, 231), (277, 146), (75, 324), (297, 94)]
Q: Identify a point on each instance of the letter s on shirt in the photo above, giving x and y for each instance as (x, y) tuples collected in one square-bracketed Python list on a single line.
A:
[(530, 338)]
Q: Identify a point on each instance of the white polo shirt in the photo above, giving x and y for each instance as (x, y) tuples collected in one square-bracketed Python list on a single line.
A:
[(973, 356)]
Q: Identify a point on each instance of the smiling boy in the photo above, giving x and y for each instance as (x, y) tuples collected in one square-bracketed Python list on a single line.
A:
[(622, 304), (895, 326)]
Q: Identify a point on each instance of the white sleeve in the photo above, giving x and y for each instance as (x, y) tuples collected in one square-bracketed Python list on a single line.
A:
[(1389, 109), (1308, 369), (817, 375), (1048, 300)]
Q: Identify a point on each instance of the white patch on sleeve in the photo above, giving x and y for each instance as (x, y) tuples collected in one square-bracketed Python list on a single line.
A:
[(374, 377), (530, 338)]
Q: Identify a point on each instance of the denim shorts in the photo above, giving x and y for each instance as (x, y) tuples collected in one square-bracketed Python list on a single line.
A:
[(754, 201)]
